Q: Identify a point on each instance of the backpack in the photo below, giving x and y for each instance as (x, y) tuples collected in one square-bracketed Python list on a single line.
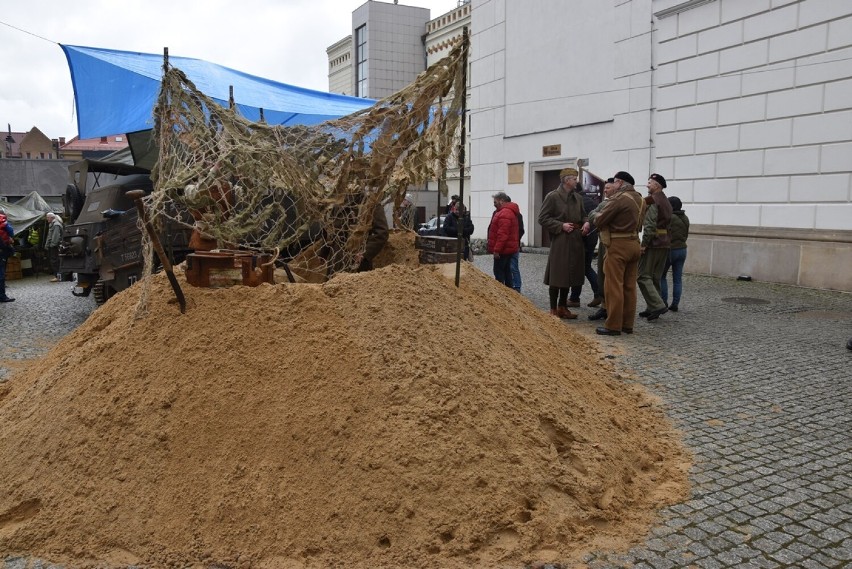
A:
[(5, 238), (520, 225)]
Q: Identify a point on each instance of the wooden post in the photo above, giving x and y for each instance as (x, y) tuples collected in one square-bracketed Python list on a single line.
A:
[(462, 146)]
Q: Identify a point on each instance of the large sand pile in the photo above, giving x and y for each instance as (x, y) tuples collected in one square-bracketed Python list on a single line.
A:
[(384, 419)]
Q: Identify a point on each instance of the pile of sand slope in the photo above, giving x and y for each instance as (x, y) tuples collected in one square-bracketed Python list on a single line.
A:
[(384, 419)]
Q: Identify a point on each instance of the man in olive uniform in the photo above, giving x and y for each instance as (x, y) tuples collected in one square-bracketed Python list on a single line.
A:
[(608, 191), (619, 222), (656, 241), (562, 216)]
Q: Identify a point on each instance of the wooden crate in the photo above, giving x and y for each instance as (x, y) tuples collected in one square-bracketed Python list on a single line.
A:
[(13, 268), (433, 258), (219, 269), (436, 243)]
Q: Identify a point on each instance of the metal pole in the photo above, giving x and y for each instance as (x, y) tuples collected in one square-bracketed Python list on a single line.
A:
[(462, 145)]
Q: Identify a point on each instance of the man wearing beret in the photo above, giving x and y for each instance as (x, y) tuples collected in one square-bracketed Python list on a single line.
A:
[(656, 241), (619, 222), (562, 216)]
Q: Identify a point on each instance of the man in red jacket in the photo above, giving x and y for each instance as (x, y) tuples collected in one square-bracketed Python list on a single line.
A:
[(503, 238)]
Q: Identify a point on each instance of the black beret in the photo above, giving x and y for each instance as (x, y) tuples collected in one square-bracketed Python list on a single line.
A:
[(625, 177), (659, 179)]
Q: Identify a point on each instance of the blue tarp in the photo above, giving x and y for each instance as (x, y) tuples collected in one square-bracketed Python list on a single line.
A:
[(116, 91)]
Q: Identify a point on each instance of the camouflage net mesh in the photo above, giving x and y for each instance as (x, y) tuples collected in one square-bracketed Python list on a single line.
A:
[(305, 194)]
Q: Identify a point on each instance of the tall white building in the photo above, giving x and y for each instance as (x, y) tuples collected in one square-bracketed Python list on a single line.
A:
[(384, 52), (389, 46), (745, 106)]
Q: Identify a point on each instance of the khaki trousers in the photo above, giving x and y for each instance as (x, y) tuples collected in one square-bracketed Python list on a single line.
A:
[(621, 266), (651, 269)]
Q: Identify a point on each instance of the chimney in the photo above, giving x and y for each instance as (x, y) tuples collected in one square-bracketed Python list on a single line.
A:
[(61, 141)]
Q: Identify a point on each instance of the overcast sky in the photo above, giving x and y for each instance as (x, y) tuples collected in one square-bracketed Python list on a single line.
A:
[(282, 40)]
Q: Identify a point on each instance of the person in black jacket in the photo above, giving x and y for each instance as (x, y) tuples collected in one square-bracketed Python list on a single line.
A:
[(459, 216)]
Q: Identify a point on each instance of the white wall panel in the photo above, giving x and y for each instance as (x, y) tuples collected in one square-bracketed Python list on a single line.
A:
[(699, 116), (719, 88), (677, 49), (719, 38), (699, 213), (816, 11), (775, 22), (736, 9), (831, 127), (797, 44), (825, 67), (715, 191), (745, 109), (740, 214), (702, 166), (676, 143), (763, 189), (788, 216), (717, 139), (676, 96), (744, 56), (831, 188), (769, 78), (804, 100), (739, 164), (840, 33), (838, 95), (837, 216), (766, 134), (836, 157), (698, 67), (698, 18), (797, 160)]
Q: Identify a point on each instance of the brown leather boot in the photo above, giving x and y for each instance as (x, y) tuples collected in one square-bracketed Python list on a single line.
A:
[(553, 312), (596, 301), (563, 312)]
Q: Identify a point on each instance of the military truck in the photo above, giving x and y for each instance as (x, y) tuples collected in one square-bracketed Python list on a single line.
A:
[(101, 241)]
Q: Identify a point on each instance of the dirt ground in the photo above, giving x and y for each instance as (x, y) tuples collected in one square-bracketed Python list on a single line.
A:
[(383, 419)]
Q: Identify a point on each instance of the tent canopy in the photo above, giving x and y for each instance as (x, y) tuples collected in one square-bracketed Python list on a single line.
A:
[(115, 92), (26, 211)]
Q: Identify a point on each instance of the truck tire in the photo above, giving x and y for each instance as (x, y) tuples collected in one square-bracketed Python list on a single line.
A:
[(73, 201)]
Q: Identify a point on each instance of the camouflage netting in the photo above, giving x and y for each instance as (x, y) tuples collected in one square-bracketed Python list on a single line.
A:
[(305, 194)]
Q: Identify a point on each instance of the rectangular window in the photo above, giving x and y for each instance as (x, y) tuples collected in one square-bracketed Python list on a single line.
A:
[(361, 82)]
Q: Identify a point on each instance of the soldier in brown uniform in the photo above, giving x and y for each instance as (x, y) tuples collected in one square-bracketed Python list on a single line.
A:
[(619, 222)]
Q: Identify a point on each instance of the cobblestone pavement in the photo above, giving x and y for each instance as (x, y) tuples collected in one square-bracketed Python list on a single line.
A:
[(758, 379), (43, 312), (756, 376)]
